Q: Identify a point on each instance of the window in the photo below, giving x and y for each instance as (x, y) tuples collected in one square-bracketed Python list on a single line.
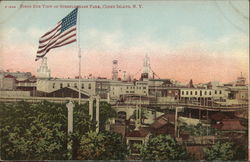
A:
[(75, 85), (82, 86), (182, 92), (89, 86), (144, 87), (186, 92), (68, 85), (196, 93), (127, 87), (220, 92), (210, 93), (54, 84), (191, 93), (215, 92), (205, 92), (61, 85)]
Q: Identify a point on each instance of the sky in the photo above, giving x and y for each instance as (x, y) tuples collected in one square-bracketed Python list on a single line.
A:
[(199, 40)]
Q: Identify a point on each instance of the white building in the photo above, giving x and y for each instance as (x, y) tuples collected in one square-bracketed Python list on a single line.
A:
[(120, 88), (195, 93), (50, 85)]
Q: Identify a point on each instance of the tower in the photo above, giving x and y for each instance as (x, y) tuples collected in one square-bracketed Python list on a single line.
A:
[(43, 71), (124, 77), (241, 81), (146, 64), (146, 68), (115, 70)]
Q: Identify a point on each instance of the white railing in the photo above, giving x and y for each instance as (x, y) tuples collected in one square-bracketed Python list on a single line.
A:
[(39, 99)]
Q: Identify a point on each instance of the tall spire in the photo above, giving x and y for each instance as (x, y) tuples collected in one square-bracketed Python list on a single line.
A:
[(146, 64)]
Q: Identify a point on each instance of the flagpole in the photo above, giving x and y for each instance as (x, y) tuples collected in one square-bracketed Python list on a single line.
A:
[(79, 56)]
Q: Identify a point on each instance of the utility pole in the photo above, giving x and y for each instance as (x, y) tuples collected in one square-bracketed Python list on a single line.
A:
[(207, 115), (176, 121), (136, 117)]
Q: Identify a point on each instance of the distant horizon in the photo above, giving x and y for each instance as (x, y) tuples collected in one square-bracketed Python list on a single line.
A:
[(92, 76)]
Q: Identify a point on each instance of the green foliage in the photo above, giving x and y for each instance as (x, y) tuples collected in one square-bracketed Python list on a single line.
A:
[(221, 151), (39, 131), (33, 131), (163, 147), (102, 146), (106, 112), (198, 130)]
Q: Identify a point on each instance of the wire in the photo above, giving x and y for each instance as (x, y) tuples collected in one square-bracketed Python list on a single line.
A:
[(136, 73), (236, 9), (228, 20), (154, 73)]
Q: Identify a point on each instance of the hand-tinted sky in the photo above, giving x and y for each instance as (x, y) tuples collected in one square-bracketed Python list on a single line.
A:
[(202, 40)]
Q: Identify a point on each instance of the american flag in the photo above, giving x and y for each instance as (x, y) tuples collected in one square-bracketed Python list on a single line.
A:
[(62, 34)]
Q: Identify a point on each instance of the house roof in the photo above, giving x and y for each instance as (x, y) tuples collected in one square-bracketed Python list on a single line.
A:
[(163, 120), (230, 124), (159, 122), (9, 76), (170, 117), (142, 132), (26, 81), (73, 89), (219, 116)]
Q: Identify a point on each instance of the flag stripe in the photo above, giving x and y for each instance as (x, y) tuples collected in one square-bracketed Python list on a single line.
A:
[(50, 36), (52, 30), (58, 38), (66, 43), (71, 41), (56, 43)]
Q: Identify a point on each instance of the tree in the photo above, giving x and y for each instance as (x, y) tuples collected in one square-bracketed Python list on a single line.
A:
[(38, 131), (106, 112), (33, 131), (220, 151), (102, 146), (198, 130), (163, 147)]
